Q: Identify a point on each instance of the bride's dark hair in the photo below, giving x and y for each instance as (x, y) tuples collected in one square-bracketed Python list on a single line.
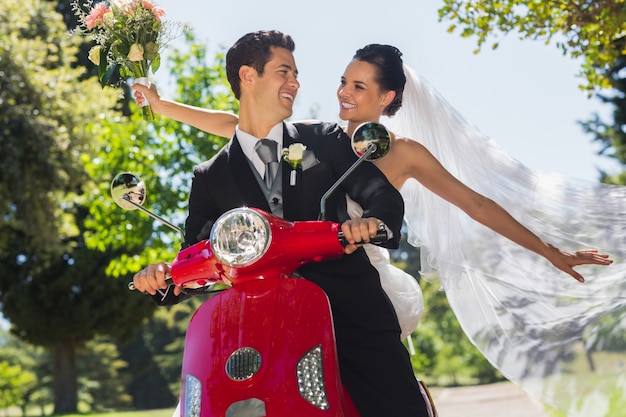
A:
[(389, 71)]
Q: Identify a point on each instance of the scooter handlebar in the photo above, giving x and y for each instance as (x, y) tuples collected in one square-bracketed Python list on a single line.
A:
[(381, 237), (168, 280)]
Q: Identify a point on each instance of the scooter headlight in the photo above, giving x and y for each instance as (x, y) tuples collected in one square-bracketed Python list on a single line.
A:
[(240, 237)]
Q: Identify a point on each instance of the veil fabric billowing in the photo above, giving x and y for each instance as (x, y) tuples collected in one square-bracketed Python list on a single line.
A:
[(562, 341)]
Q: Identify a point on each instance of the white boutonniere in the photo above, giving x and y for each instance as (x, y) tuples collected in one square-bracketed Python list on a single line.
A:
[(293, 155)]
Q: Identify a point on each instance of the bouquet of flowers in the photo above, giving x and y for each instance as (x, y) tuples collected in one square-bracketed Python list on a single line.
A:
[(129, 35)]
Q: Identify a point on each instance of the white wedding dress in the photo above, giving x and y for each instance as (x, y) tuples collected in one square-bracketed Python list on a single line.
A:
[(562, 341)]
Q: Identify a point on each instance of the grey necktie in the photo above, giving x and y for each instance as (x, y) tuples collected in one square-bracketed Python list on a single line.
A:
[(267, 150)]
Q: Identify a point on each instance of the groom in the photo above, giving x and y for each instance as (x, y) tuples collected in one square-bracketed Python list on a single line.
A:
[(261, 69)]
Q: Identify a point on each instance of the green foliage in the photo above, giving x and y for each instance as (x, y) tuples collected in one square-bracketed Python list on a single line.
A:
[(32, 362), (593, 30), (202, 85), (42, 113), (612, 134), (101, 384), (46, 267), (12, 380)]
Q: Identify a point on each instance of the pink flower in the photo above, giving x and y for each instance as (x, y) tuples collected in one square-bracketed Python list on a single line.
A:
[(94, 18), (156, 11)]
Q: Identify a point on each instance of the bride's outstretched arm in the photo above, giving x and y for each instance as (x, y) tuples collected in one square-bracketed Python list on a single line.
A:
[(412, 160), (217, 122)]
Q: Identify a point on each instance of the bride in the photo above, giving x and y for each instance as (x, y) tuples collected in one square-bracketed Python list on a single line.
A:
[(465, 202)]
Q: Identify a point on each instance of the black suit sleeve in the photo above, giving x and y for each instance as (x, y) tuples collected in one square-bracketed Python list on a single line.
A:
[(369, 187)]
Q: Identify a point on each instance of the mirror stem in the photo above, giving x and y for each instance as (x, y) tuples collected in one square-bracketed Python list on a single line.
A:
[(156, 217), (371, 148)]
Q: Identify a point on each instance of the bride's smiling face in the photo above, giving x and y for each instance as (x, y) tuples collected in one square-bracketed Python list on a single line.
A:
[(360, 97)]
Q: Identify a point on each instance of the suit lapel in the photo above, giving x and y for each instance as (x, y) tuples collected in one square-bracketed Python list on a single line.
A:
[(290, 136)]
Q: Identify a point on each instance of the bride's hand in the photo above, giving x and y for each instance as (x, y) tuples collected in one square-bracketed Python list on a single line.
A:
[(567, 260), (143, 93)]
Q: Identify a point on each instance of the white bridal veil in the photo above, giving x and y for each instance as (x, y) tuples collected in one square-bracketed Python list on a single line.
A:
[(562, 341)]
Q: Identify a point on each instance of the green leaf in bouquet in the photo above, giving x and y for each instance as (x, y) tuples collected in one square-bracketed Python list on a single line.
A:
[(126, 72), (156, 63), (106, 77)]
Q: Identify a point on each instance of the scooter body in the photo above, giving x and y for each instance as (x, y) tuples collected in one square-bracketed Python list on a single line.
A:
[(265, 346)]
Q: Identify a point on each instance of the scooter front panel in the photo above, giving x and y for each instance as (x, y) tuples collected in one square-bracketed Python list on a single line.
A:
[(277, 330)]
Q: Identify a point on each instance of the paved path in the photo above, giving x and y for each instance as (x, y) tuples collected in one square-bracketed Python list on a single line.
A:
[(493, 400)]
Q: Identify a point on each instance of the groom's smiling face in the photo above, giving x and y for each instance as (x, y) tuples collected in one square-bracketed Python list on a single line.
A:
[(277, 88)]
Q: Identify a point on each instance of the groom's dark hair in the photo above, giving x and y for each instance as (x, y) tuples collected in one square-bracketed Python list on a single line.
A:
[(254, 50)]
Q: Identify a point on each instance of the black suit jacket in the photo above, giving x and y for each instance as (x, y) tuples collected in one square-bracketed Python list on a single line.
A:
[(352, 284)]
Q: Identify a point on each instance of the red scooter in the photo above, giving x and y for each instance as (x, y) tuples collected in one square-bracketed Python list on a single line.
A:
[(266, 345)]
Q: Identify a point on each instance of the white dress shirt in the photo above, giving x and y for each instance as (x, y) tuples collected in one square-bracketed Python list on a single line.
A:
[(247, 142)]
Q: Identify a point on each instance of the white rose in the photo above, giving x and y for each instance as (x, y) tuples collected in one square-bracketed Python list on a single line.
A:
[(136, 52), (296, 151), (94, 54), (127, 7), (108, 19)]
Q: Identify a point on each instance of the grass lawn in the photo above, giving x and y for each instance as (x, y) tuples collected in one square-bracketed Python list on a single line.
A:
[(166, 412)]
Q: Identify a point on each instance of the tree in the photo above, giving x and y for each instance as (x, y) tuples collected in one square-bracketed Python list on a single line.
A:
[(101, 384), (612, 135), (591, 29), (46, 267)]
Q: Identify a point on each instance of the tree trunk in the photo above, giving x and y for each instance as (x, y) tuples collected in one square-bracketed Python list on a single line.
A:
[(65, 378)]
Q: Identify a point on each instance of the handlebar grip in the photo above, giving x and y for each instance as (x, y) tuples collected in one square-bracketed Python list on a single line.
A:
[(168, 281), (380, 238)]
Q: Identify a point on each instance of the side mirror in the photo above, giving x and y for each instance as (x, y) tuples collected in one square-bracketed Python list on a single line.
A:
[(370, 133), (370, 141), (129, 192)]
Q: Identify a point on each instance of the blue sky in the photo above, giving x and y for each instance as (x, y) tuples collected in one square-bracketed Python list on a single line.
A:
[(523, 95)]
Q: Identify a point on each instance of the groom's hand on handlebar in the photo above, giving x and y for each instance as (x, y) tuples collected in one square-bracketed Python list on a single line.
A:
[(358, 231), (152, 278)]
